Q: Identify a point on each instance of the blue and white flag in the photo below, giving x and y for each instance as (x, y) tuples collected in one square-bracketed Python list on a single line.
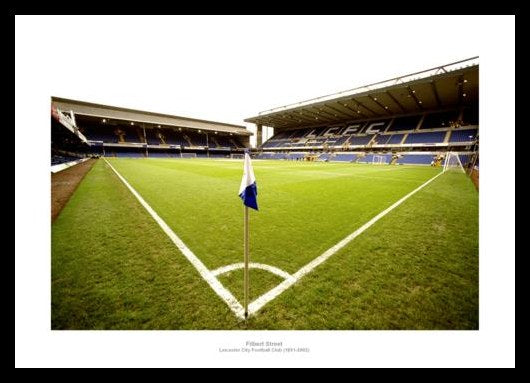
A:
[(248, 190)]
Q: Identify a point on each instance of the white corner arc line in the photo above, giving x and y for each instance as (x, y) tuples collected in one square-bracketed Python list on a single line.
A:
[(205, 273), (252, 265), (273, 293)]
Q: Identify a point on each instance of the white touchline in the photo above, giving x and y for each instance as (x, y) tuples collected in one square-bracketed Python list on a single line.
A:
[(271, 294), (205, 273)]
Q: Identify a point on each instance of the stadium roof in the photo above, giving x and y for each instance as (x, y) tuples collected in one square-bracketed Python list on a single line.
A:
[(150, 119), (447, 86)]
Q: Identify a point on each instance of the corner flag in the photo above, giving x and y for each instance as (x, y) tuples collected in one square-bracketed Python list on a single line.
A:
[(248, 190), (248, 193)]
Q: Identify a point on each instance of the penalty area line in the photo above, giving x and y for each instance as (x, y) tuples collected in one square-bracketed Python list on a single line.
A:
[(205, 273), (257, 304)]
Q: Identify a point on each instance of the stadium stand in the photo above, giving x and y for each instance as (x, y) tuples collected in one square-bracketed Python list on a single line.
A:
[(369, 158), (344, 157), (100, 134), (152, 137), (129, 154), (130, 133), (296, 156), (158, 154), (440, 120), (115, 131), (466, 135), (341, 140), (343, 137), (416, 159), (382, 139), (361, 140), (58, 159), (223, 141), (219, 155), (196, 139), (323, 157), (426, 137), (174, 137), (395, 139)]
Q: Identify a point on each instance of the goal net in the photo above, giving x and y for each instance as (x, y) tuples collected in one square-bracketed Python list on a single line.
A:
[(378, 160), (452, 162), (237, 156)]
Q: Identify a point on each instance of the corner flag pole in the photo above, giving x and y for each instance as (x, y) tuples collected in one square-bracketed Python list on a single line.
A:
[(248, 191), (246, 282)]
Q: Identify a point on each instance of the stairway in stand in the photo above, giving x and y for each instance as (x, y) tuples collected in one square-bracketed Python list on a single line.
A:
[(187, 139), (215, 142)]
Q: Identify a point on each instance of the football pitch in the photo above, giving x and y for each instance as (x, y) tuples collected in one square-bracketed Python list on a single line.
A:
[(414, 267)]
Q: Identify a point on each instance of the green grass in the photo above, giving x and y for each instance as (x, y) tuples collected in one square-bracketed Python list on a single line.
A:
[(416, 268)]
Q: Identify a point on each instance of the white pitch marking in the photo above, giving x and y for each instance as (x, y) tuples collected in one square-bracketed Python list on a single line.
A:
[(252, 265), (273, 293), (256, 305), (205, 273)]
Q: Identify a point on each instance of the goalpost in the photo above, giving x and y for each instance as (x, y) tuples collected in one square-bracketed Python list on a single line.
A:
[(452, 162), (237, 156), (378, 160)]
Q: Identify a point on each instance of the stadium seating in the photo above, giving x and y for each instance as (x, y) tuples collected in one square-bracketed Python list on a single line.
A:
[(174, 137), (465, 135), (344, 157), (236, 142), (265, 156), (219, 155), (299, 133), (465, 158), (404, 123), (369, 158), (416, 159), (296, 156), (100, 134), (424, 138), (322, 137), (324, 157), (395, 139), (278, 156), (129, 154), (361, 140), (382, 139), (61, 159), (223, 141), (197, 139), (155, 154), (270, 143), (152, 137), (130, 133), (341, 140)]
